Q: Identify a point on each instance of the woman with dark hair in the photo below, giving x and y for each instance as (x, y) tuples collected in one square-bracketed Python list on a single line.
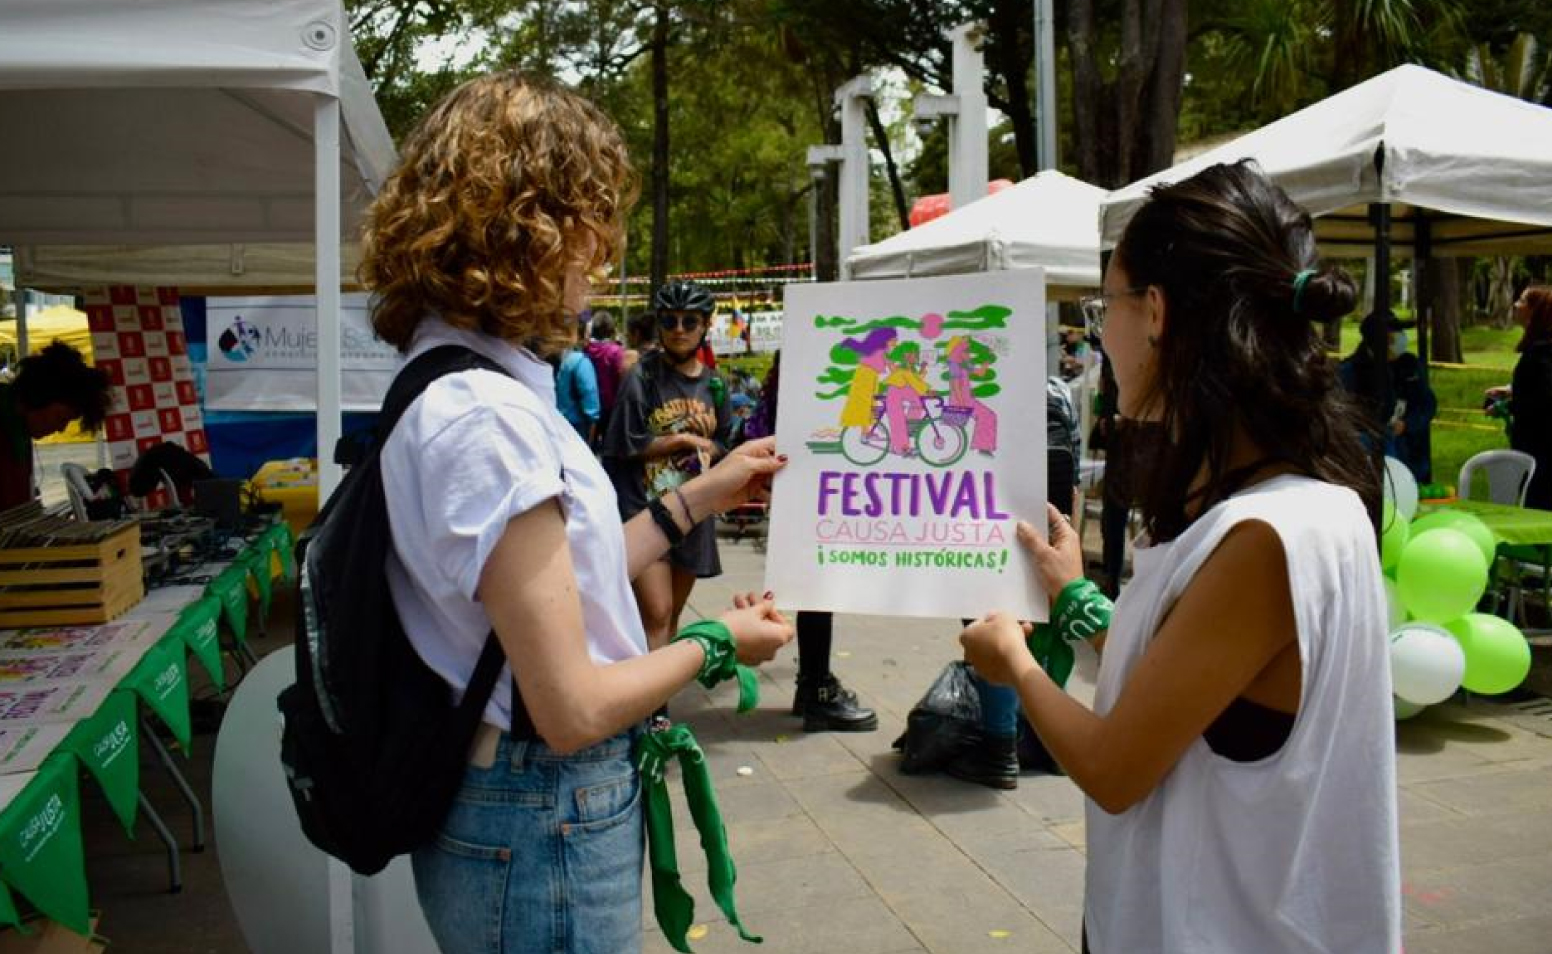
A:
[(52, 388), (1239, 757), (1530, 401)]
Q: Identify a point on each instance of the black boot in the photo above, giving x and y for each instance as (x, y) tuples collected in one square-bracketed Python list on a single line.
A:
[(828, 706), (991, 761)]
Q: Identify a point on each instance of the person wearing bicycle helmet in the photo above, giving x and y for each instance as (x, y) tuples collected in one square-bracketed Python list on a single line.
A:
[(671, 421)]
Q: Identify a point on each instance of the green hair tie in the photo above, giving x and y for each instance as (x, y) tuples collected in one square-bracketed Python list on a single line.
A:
[(1299, 281)]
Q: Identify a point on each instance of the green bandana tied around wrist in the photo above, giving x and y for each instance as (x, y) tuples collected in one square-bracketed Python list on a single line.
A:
[(1081, 611), (1052, 653), (672, 905), (721, 662)]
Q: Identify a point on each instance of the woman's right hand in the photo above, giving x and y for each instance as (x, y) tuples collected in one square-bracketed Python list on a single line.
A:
[(1059, 558), (758, 628)]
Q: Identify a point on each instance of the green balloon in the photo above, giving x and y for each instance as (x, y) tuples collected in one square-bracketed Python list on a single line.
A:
[(1394, 533), (1462, 522), (1441, 575), (1497, 654)]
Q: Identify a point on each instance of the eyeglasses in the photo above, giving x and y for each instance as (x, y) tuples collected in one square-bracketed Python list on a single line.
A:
[(1095, 306), (689, 321)]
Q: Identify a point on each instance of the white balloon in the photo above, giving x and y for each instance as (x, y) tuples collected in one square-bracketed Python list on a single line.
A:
[(1395, 612), (1426, 663), (1406, 710), (1401, 487)]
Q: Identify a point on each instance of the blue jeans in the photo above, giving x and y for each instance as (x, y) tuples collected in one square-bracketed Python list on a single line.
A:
[(540, 853), (999, 708)]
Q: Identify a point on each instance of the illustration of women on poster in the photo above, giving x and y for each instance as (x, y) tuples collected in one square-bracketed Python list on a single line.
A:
[(966, 357), (871, 351)]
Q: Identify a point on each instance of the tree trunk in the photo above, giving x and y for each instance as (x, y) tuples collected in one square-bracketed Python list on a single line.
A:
[(659, 267), (1500, 291), (1008, 21), (1088, 90), (896, 187), (1444, 291), (1125, 128), (826, 265)]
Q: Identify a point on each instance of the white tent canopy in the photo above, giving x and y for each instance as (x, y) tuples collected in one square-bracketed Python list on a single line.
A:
[(166, 122), (269, 268), (1474, 164), (177, 121), (1049, 220)]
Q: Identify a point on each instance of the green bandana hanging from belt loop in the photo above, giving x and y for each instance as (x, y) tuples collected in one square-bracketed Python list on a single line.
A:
[(721, 661), (671, 903)]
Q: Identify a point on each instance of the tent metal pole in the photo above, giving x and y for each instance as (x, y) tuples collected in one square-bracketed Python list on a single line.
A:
[(1423, 267), (1377, 337), (326, 156), (21, 322)]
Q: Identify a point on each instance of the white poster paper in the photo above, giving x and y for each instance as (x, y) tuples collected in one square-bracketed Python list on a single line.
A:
[(263, 355), (913, 413), (51, 702)]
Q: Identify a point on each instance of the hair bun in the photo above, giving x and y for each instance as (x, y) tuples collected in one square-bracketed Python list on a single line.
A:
[(1327, 295)]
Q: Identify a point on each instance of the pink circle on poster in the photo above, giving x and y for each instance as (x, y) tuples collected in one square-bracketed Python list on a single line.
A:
[(931, 325)]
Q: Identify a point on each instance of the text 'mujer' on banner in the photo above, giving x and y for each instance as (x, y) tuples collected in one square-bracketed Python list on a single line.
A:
[(913, 414)]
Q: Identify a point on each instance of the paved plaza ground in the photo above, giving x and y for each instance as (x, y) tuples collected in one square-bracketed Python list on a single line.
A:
[(839, 852)]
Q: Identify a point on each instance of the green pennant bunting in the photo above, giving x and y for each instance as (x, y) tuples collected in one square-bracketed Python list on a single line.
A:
[(199, 626), (285, 550), (257, 559), (40, 844), (231, 588), (161, 679), (108, 746)]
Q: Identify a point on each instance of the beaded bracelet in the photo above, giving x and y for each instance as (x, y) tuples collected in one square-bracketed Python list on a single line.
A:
[(1081, 611)]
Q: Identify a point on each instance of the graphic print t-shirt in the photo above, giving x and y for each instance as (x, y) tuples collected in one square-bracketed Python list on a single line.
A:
[(657, 401)]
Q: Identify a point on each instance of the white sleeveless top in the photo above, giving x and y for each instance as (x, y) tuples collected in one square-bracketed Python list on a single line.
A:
[(1296, 852)]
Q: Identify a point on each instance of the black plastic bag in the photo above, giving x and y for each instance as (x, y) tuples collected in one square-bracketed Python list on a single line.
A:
[(943, 723)]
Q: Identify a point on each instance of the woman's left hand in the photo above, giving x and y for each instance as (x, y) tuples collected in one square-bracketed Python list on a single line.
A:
[(995, 646), (743, 475)]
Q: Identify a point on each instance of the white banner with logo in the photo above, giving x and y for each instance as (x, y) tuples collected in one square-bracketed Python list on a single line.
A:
[(738, 332), (263, 355)]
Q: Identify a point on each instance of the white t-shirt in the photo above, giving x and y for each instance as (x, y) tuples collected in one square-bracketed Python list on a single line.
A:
[(1296, 852), (476, 449)]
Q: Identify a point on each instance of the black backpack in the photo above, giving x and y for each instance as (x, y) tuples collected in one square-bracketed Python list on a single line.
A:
[(373, 746)]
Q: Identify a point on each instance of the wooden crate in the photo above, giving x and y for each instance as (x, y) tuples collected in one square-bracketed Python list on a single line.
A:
[(66, 585)]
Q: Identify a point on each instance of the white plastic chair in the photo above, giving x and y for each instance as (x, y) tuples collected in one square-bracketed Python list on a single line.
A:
[(1508, 475), (1508, 478), (79, 489)]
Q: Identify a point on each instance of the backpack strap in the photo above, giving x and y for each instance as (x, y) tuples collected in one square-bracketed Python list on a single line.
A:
[(411, 381), (419, 374), (483, 683)]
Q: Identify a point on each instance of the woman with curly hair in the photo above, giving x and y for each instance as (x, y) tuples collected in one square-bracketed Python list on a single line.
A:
[(1239, 759), (509, 192)]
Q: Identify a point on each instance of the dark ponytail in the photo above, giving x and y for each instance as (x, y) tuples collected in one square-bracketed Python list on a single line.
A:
[(1241, 341)]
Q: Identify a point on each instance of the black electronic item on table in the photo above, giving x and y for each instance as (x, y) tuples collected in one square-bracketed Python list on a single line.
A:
[(180, 466)]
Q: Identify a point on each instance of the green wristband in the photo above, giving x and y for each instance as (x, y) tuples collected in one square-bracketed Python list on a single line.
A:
[(1081, 611), (720, 661)]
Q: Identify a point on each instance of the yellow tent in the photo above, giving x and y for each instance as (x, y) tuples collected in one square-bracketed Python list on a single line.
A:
[(62, 323)]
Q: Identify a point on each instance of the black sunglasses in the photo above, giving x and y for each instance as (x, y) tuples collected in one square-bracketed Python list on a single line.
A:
[(685, 322)]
